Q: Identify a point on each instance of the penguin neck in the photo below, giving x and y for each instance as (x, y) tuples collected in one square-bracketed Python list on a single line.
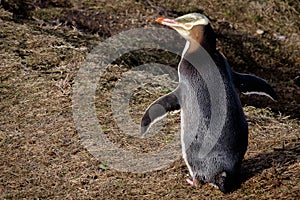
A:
[(203, 36), (186, 48)]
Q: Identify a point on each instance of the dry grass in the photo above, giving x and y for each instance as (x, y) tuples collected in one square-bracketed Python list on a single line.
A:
[(41, 155)]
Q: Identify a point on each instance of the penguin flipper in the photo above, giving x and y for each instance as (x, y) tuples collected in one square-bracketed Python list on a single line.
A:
[(158, 109), (250, 84)]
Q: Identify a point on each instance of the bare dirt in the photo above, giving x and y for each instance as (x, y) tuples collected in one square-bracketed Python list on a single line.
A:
[(42, 48)]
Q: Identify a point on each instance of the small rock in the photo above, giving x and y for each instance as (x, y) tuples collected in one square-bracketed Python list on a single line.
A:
[(260, 32), (279, 37)]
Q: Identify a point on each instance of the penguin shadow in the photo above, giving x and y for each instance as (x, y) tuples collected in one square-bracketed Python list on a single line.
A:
[(279, 158)]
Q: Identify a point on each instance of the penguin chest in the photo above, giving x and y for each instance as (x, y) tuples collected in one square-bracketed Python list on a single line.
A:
[(195, 117)]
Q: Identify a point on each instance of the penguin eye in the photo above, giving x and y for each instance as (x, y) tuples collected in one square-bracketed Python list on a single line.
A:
[(188, 25)]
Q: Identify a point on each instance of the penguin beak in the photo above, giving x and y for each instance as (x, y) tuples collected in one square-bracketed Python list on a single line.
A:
[(172, 23), (166, 21)]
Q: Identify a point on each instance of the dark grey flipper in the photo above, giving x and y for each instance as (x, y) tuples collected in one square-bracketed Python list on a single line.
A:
[(250, 84), (159, 108)]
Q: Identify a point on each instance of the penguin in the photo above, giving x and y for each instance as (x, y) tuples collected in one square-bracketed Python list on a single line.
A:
[(221, 165)]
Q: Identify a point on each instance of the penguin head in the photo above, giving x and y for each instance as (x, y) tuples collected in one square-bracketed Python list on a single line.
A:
[(193, 27), (185, 24)]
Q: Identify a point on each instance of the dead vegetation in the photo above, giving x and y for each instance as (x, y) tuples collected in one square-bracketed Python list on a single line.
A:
[(41, 52)]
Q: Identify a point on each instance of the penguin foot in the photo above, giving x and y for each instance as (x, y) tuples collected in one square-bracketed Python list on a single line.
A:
[(190, 181), (194, 182)]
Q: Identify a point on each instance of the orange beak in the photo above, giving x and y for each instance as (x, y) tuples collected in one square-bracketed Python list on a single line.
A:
[(172, 23), (160, 20), (167, 22)]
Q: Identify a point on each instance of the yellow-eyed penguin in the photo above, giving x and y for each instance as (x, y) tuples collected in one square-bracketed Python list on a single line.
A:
[(221, 165)]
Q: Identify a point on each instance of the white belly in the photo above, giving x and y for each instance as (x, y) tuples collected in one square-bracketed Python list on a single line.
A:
[(183, 145)]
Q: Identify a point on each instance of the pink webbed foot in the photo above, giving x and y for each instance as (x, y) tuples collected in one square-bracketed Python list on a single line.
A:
[(190, 181), (193, 182)]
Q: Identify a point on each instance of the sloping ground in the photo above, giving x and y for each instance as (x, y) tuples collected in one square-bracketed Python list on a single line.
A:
[(41, 154)]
